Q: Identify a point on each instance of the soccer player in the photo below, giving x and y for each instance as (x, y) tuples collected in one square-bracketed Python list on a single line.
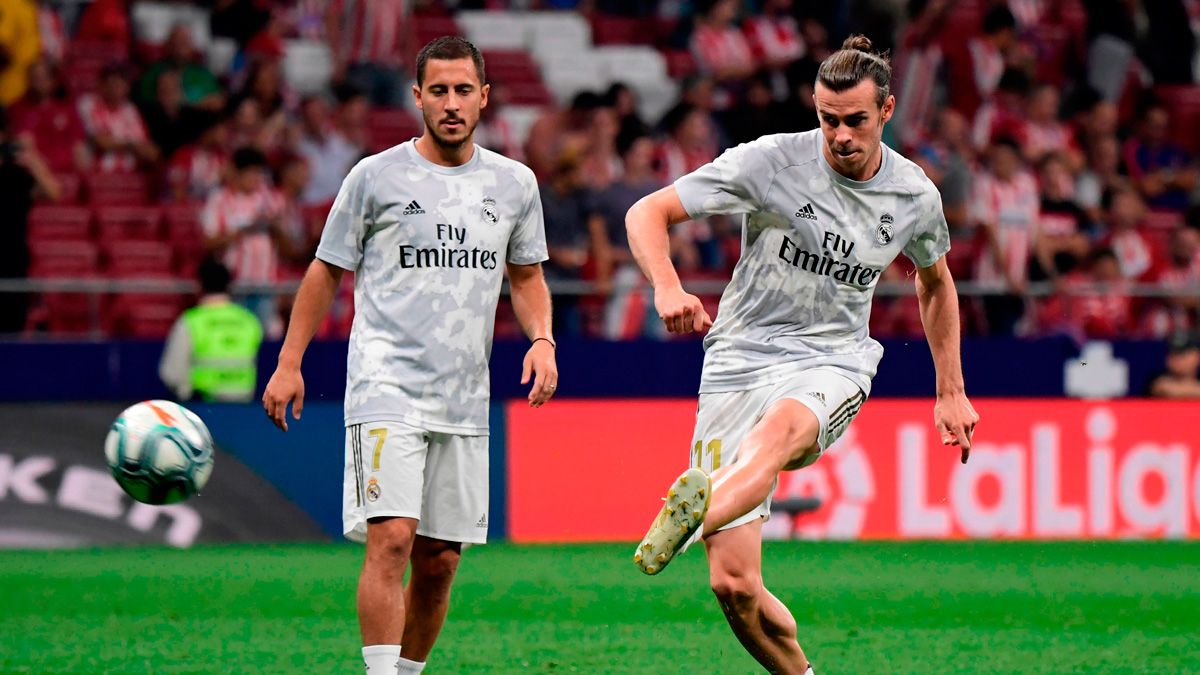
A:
[(428, 227), (788, 362)]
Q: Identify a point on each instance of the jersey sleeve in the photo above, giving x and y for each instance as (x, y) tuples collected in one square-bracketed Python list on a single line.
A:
[(734, 183), (527, 244), (346, 227), (931, 237)]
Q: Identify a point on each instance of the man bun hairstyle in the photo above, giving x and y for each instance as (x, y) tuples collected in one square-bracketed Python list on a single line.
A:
[(853, 63), (449, 48)]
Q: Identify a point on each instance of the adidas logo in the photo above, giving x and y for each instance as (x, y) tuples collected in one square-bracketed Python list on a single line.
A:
[(806, 211), (817, 395), (413, 209), (482, 521)]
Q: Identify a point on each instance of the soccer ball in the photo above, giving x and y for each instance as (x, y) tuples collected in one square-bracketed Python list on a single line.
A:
[(159, 452)]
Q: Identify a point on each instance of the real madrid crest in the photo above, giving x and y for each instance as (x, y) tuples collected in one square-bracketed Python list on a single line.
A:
[(373, 489), (489, 210), (886, 232)]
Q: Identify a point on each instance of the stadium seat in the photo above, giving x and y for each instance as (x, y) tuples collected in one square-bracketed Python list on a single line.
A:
[(680, 63), (557, 28), (118, 189), (144, 315), (59, 223), (391, 126), (71, 187), (430, 27), (67, 313), (139, 259), (1182, 101), (183, 231), (622, 30), (493, 29), (221, 55), (307, 65), (153, 22), (569, 72), (128, 223), (54, 259)]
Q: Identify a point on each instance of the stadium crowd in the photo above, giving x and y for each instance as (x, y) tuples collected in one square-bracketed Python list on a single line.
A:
[(1061, 133)]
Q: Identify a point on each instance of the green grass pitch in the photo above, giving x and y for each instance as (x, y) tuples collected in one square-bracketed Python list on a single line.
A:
[(1119, 607)]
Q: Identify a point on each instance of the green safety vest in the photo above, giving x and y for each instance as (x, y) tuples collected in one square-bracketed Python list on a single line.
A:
[(225, 340)]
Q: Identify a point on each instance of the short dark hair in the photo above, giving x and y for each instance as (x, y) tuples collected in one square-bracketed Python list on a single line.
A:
[(998, 18), (449, 48), (249, 158), (853, 63), (214, 276)]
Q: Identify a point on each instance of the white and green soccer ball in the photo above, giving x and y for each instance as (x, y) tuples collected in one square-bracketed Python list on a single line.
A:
[(159, 452)]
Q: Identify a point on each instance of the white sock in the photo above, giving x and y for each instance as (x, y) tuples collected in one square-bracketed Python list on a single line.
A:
[(809, 671), (381, 659), (409, 667)]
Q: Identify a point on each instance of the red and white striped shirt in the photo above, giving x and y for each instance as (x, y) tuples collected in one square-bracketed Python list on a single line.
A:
[(252, 258), (195, 172), (775, 38), (372, 30), (1013, 206), (123, 123), (716, 48)]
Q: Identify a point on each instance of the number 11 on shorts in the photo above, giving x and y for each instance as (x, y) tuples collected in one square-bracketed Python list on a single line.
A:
[(712, 454)]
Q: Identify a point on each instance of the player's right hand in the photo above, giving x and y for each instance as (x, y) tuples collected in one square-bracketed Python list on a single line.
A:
[(681, 311), (286, 386)]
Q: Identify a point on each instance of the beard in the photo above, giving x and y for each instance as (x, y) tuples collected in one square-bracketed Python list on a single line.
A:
[(444, 142)]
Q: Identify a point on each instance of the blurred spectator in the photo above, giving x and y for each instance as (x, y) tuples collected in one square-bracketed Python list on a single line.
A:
[(370, 41), (575, 235), (352, 116), (1180, 274), (896, 316), (775, 41), (920, 53), (975, 73), (1005, 206), (720, 49), (1101, 175), (1160, 169), (1168, 44), (1044, 132), (1062, 241), (328, 154), (300, 232), (248, 127), (624, 101), (946, 159), (557, 128), (1005, 113), (48, 115), (757, 114), (1099, 299), (197, 170), (52, 33), (23, 178), (169, 121), (1179, 381), (242, 225), (689, 144), (211, 353), (199, 86), (494, 132), (114, 125), (265, 85), (626, 312), (19, 47), (1124, 213), (602, 162)]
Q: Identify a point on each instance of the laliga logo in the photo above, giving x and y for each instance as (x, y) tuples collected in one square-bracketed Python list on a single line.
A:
[(844, 483)]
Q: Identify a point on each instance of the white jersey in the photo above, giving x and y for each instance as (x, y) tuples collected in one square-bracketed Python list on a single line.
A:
[(428, 245), (814, 244)]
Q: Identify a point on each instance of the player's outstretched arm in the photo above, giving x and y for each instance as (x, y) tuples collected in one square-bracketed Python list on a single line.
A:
[(953, 413), (531, 304), (646, 224), (312, 302)]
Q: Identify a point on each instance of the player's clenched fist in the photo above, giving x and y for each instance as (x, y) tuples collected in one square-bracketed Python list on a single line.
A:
[(286, 386), (681, 312)]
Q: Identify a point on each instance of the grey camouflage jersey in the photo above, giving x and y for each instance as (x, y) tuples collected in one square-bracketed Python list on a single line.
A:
[(814, 244), (428, 245)]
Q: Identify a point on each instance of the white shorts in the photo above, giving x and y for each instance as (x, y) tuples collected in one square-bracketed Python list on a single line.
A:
[(723, 419), (394, 469)]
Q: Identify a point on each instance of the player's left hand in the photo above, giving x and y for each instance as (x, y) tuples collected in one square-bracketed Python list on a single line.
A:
[(955, 418), (540, 363)]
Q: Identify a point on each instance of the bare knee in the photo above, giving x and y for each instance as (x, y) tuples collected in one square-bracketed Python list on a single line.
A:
[(735, 590), (390, 542), (434, 565)]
